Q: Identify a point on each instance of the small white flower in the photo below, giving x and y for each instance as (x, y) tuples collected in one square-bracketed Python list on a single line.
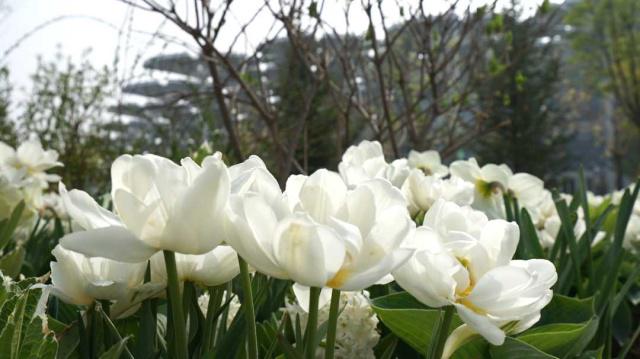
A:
[(356, 334), (29, 162), (423, 191), (428, 162), (234, 305)]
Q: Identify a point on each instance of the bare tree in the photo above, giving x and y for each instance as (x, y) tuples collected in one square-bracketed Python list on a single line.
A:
[(404, 82)]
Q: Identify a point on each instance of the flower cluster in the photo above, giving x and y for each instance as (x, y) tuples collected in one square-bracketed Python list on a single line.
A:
[(438, 231), (24, 176), (356, 333)]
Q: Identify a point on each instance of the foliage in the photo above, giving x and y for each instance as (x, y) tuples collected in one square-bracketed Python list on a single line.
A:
[(516, 91), (67, 110)]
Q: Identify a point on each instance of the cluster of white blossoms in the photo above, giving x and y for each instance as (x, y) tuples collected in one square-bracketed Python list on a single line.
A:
[(233, 306), (632, 233), (24, 177), (345, 230), (356, 333)]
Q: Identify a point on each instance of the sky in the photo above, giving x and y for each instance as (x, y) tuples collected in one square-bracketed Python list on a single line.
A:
[(115, 31)]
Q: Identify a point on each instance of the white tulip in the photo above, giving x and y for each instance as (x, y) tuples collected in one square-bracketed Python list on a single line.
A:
[(159, 205), (370, 220), (464, 260), (321, 234), (422, 191), (428, 162), (366, 161), (210, 269), (79, 280), (362, 162)]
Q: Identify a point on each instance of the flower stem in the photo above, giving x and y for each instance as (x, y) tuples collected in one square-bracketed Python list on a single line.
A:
[(215, 300), (440, 336), (175, 300), (333, 324), (252, 334), (312, 323)]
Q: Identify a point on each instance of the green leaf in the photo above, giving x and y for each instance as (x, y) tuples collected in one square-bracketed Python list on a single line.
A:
[(8, 227), (11, 263), (611, 264), (529, 237), (514, 348), (564, 309), (116, 350), (555, 339), (409, 319)]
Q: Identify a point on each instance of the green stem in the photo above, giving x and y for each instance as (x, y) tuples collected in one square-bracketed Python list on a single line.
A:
[(437, 341), (215, 299), (175, 300), (333, 324), (312, 323), (252, 334)]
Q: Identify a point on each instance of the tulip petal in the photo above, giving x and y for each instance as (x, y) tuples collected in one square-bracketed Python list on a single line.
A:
[(85, 211), (481, 324), (311, 253), (467, 170), (528, 189), (195, 222), (322, 195), (302, 296), (249, 227), (116, 243), (500, 238)]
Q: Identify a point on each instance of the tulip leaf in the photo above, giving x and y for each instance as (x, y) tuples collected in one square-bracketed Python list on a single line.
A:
[(564, 309), (7, 227), (116, 350), (11, 263), (567, 325), (514, 348), (556, 339), (408, 319), (529, 238)]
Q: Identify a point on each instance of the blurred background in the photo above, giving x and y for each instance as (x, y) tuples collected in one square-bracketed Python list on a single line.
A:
[(547, 87)]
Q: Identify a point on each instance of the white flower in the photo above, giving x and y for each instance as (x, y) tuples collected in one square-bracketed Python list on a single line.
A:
[(366, 161), (10, 196), (362, 162), (210, 269), (493, 181), (428, 162), (234, 305), (79, 280), (52, 201), (632, 234), (548, 223), (465, 261), (594, 200), (29, 162), (319, 233), (356, 334), (160, 206), (423, 191)]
